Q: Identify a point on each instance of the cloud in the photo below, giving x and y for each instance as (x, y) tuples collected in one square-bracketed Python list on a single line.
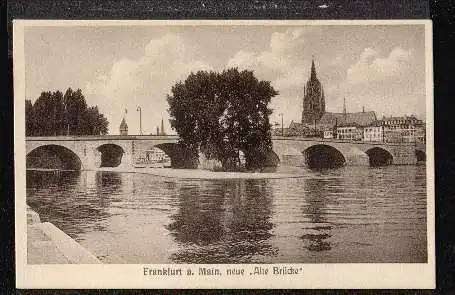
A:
[(388, 83), (283, 65), (147, 79), (278, 60), (287, 41), (371, 67), (144, 82), (387, 80)]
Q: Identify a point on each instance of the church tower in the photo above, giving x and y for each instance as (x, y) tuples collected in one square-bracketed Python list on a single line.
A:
[(123, 127), (313, 99)]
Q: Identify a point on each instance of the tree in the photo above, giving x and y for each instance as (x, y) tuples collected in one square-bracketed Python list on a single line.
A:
[(29, 118), (55, 114), (94, 123), (75, 109), (43, 114), (221, 114)]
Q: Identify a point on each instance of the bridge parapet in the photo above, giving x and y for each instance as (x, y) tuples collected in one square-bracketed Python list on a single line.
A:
[(102, 138), (332, 140)]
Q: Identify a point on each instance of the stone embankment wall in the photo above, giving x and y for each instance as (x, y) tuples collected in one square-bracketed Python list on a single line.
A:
[(47, 244)]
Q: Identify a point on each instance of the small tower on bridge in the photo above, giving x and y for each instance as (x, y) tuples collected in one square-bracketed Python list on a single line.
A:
[(123, 127)]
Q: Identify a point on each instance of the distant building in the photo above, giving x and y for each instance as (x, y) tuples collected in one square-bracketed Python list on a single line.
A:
[(359, 118), (420, 133), (351, 131), (374, 132), (123, 127), (403, 129)]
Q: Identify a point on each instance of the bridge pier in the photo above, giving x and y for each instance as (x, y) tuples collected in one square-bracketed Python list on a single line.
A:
[(404, 155), (356, 157)]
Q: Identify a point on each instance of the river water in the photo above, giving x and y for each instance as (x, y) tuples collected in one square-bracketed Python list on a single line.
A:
[(351, 214)]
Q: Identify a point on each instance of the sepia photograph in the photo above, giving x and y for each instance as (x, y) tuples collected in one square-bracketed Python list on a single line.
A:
[(241, 148)]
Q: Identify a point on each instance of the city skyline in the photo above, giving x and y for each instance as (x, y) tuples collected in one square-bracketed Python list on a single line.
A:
[(380, 68)]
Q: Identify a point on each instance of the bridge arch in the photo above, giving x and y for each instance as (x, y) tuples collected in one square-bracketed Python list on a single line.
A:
[(323, 156), (110, 155), (421, 156), (378, 156), (179, 156), (53, 156), (263, 158)]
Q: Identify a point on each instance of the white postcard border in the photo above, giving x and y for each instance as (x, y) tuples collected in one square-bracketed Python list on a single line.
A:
[(315, 276)]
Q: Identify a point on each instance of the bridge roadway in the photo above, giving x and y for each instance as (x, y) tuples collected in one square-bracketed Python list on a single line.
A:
[(89, 151)]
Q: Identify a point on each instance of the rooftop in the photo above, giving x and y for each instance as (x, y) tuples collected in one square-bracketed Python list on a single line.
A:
[(360, 118), (394, 118)]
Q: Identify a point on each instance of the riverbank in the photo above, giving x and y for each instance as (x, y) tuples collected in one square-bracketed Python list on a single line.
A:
[(203, 174), (47, 244)]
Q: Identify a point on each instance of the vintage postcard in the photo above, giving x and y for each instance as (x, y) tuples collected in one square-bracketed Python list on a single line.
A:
[(224, 154)]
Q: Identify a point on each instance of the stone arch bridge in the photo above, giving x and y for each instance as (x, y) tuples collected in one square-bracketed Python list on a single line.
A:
[(310, 151), (92, 152)]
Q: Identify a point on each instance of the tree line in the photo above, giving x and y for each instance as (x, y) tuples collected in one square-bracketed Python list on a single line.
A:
[(55, 113), (221, 114)]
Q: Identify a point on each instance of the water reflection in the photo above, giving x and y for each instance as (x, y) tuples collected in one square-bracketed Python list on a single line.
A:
[(108, 183), (65, 197), (350, 214), (223, 223), (318, 196), (198, 220), (250, 204)]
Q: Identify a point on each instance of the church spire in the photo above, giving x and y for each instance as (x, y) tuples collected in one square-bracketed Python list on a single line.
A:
[(344, 105), (313, 100), (313, 70), (344, 109)]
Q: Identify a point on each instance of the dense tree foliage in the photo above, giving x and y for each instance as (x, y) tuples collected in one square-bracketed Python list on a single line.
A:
[(55, 113), (221, 114)]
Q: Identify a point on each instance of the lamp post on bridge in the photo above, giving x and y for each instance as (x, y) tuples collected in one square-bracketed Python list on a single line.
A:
[(282, 125), (139, 109)]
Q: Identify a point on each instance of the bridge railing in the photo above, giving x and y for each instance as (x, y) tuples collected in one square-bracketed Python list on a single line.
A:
[(101, 137), (175, 137), (333, 140)]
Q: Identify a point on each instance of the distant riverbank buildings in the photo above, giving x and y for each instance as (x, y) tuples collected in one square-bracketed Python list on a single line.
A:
[(357, 126)]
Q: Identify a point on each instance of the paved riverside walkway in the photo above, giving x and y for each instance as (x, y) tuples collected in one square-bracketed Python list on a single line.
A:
[(46, 244)]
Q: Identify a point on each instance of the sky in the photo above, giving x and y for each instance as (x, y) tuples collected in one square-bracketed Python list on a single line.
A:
[(118, 68)]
